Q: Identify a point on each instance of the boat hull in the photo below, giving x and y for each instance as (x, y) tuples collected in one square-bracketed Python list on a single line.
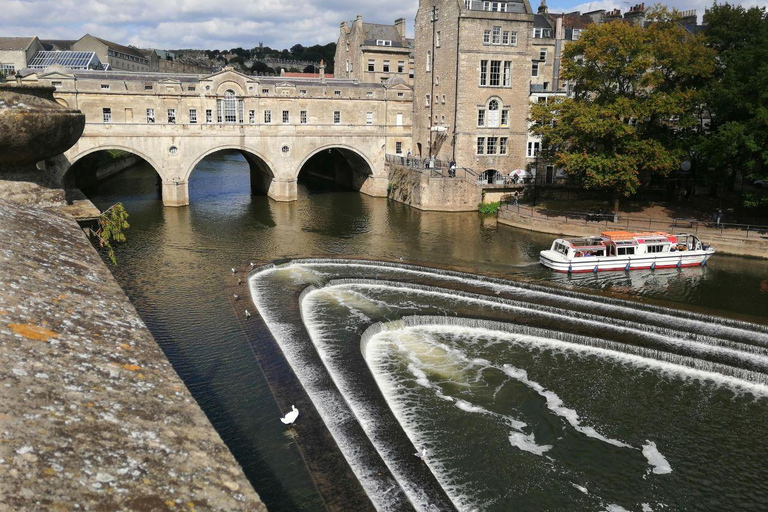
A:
[(559, 263)]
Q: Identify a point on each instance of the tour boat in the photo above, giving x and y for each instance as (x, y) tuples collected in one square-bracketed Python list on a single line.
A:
[(623, 250)]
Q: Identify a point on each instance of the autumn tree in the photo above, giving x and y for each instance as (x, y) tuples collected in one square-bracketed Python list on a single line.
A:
[(737, 96), (633, 110)]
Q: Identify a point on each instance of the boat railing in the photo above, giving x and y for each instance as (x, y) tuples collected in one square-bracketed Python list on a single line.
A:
[(626, 222)]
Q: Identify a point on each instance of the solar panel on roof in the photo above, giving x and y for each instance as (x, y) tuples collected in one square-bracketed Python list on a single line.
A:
[(68, 59)]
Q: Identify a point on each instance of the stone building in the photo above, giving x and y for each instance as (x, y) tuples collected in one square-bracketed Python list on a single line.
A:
[(174, 120), (374, 53), (15, 52), (472, 82), (119, 57)]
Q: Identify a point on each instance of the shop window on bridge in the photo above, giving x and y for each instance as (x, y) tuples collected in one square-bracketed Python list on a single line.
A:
[(171, 116), (208, 115), (150, 115), (192, 116), (230, 107), (399, 148), (106, 115)]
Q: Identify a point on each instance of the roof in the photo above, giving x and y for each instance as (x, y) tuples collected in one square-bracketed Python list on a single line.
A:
[(68, 59), (57, 44), (119, 47), (305, 75), (15, 43), (540, 21), (580, 21), (135, 77)]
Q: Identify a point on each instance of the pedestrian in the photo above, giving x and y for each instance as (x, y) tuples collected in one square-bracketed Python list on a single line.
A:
[(431, 162), (517, 196), (452, 169), (408, 154), (718, 217)]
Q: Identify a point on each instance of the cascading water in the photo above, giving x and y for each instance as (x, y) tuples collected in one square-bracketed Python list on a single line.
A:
[(518, 396)]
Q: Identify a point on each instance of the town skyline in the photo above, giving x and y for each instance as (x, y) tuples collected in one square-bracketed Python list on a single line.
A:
[(195, 24)]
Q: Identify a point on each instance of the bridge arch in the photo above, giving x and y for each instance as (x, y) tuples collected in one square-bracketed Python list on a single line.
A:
[(69, 171), (342, 164), (262, 170)]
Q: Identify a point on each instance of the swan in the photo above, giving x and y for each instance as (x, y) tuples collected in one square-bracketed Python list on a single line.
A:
[(247, 314), (291, 416), (422, 454)]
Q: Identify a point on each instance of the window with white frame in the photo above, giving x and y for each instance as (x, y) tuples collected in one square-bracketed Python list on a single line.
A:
[(506, 79), (542, 33), (429, 62), (487, 37), (252, 116), (286, 117), (208, 115), (150, 115), (576, 34), (492, 145), (171, 116), (496, 35), (106, 115), (401, 95), (494, 77), (104, 87), (230, 107), (265, 91), (505, 117), (502, 145), (443, 99), (467, 4), (493, 113), (337, 117), (369, 118), (495, 6), (533, 149), (542, 54), (385, 67), (267, 116), (481, 117), (383, 42), (371, 65), (401, 66), (399, 119), (534, 69), (303, 117), (7, 69), (483, 72), (481, 145), (399, 148), (337, 93), (426, 100), (193, 116), (410, 73), (437, 39)]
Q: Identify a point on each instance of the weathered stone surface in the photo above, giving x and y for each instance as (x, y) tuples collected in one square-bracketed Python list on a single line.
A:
[(92, 416), (33, 126)]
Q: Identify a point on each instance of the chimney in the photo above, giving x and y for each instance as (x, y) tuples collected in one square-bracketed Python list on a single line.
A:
[(321, 69), (543, 7), (400, 27), (359, 21), (688, 17)]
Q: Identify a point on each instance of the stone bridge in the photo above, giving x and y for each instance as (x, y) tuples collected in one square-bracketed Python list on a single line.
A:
[(278, 124)]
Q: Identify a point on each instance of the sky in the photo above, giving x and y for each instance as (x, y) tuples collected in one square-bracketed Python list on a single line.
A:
[(210, 24)]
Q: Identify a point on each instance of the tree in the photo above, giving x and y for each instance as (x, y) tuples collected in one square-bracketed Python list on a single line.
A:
[(112, 222), (297, 51), (634, 104), (737, 96)]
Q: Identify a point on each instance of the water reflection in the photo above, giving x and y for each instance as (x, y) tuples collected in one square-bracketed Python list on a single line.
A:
[(176, 264)]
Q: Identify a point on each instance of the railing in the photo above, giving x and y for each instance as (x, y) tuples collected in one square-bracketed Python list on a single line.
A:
[(733, 230), (434, 168)]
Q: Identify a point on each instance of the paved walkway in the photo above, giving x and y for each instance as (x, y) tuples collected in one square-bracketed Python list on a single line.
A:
[(92, 415)]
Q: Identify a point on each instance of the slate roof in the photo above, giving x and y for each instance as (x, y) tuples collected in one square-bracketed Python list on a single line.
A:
[(540, 21), (15, 43)]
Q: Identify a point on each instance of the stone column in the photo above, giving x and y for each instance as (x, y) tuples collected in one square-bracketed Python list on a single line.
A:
[(283, 190), (175, 193)]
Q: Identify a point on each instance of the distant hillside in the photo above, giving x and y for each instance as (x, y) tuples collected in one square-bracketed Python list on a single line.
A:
[(262, 59)]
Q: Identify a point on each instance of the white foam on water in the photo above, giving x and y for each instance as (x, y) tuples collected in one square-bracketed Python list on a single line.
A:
[(647, 508), (656, 459), (527, 443), (615, 508), (555, 404), (579, 487)]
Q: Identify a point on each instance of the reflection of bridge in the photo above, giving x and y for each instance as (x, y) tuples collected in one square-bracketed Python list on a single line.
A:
[(279, 125)]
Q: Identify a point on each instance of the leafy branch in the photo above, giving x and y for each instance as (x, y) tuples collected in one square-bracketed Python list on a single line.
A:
[(112, 222)]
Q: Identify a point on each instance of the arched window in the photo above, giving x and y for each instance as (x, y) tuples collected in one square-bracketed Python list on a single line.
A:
[(493, 113), (230, 107)]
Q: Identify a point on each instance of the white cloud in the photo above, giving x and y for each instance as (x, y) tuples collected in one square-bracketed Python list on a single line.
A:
[(207, 24)]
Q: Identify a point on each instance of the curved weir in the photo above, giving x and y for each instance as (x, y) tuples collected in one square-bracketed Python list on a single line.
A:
[(446, 390)]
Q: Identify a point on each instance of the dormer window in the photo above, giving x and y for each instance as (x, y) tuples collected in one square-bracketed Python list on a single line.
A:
[(383, 42)]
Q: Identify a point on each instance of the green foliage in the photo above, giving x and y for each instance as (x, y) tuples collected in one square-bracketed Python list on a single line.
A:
[(737, 97), (633, 111), (112, 222), (489, 208), (754, 200)]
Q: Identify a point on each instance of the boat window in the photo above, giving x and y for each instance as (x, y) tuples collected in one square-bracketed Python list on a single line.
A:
[(561, 249), (626, 251), (655, 248)]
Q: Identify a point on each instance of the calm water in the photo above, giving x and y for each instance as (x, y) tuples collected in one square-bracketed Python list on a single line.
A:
[(175, 268)]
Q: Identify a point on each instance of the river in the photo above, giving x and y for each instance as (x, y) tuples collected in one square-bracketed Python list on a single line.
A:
[(516, 392)]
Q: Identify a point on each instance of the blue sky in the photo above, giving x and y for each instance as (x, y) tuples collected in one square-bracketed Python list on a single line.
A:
[(206, 24)]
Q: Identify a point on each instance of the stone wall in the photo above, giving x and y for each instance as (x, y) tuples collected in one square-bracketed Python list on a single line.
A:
[(92, 415), (419, 190)]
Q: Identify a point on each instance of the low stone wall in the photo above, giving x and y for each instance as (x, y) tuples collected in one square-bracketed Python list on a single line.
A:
[(436, 194), (756, 247), (92, 415)]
